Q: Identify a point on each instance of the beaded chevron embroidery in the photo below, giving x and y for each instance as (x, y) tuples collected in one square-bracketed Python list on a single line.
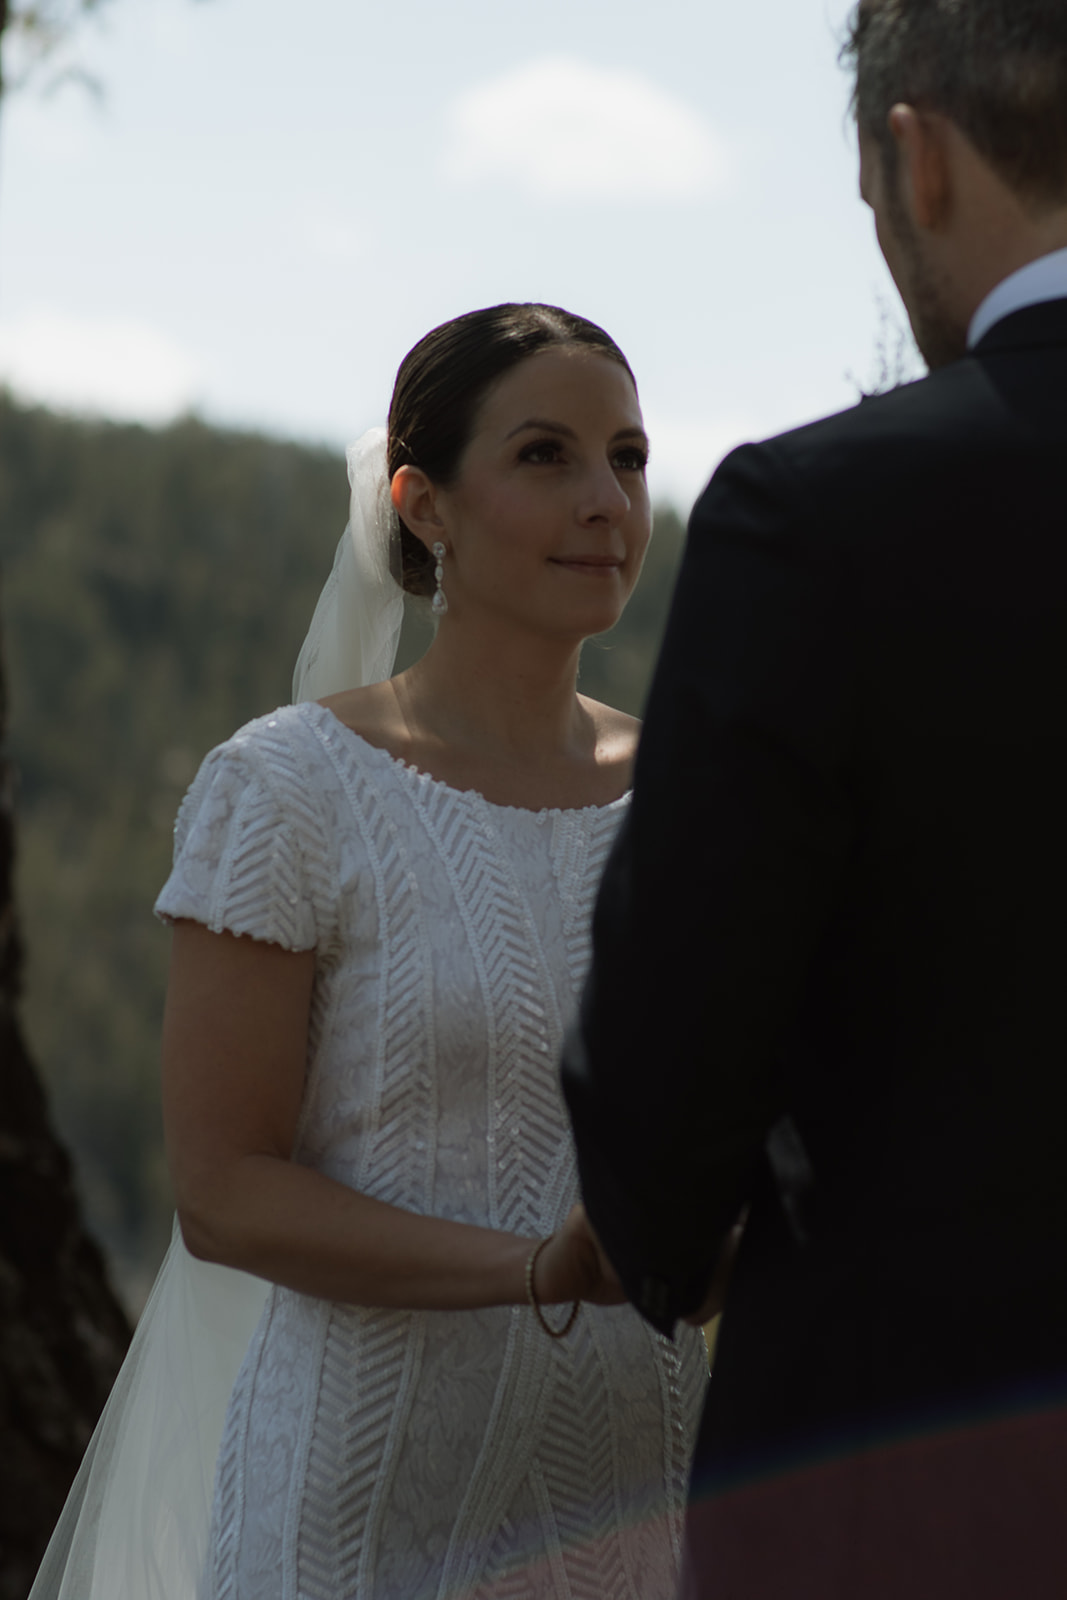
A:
[(370, 1454)]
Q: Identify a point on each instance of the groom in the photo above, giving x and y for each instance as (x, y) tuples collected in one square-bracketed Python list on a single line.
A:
[(829, 989)]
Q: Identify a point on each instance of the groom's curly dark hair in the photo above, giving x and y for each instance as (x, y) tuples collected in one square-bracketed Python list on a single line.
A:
[(997, 68)]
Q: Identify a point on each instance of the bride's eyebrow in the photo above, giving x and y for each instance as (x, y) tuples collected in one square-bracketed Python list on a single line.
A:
[(630, 433), (545, 425)]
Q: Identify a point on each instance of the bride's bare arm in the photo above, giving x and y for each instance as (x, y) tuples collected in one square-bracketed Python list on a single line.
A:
[(234, 1055)]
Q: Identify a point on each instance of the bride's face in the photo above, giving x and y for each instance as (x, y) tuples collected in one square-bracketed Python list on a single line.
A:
[(548, 520)]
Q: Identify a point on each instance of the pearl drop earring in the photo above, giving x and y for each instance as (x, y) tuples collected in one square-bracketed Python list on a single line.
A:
[(439, 605)]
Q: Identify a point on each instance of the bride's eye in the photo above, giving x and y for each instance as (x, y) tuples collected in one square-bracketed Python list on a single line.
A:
[(634, 458), (542, 452)]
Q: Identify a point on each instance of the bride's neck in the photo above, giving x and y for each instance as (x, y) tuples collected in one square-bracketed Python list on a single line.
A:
[(500, 692)]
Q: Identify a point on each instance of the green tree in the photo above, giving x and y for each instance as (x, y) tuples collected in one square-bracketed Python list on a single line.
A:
[(38, 31)]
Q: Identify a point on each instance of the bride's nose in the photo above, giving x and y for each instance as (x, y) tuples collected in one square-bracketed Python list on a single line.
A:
[(603, 497)]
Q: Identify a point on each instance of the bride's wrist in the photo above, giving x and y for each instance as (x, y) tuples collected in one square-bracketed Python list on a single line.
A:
[(543, 1272), (539, 1295), (513, 1291)]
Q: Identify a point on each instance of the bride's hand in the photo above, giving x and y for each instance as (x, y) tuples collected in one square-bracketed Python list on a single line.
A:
[(573, 1266)]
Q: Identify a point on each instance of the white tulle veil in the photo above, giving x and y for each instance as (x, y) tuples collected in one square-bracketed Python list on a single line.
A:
[(136, 1522), (354, 632)]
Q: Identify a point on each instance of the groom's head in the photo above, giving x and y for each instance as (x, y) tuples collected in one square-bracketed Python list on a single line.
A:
[(962, 113)]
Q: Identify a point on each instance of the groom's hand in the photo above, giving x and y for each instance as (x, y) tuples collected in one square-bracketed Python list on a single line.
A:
[(715, 1298), (573, 1266)]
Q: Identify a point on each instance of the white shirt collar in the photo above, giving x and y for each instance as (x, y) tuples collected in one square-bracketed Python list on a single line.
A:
[(1040, 280)]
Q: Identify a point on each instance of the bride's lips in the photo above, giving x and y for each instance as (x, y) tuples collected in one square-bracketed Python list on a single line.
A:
[(594, 566)]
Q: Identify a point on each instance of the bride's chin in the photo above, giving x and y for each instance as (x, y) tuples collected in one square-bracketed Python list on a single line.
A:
[(587, 628), (567, 626)]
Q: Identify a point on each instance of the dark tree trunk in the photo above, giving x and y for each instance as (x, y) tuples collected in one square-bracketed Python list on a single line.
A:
[(63, 1334)]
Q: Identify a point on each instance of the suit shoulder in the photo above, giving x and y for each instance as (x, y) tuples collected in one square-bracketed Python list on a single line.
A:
[(885, 440), (944, 403)]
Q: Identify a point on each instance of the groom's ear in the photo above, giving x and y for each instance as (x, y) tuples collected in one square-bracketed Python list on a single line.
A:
[(414, 500), (925, 177)]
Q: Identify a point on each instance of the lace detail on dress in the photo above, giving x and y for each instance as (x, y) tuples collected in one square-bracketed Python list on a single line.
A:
[(379, 1455), (228, 1512), (398, 1162), (494, 1491), (579, 854), (678, 1439), (366, 1386), (521, 1012), (579, 1473), (248, 854)]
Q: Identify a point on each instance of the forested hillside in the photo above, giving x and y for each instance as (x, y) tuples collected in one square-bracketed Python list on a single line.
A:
[(156, 585)]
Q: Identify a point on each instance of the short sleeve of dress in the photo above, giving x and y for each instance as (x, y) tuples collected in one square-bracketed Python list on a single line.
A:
[(248, 858)]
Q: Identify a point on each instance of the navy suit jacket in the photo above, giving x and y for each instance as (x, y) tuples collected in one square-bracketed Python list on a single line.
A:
[(830, 972)]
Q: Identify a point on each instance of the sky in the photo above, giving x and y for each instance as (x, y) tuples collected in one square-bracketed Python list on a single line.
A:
[(268, 204)]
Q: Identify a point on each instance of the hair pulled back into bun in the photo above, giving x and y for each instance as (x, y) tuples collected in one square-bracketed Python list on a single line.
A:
[(441, 385)]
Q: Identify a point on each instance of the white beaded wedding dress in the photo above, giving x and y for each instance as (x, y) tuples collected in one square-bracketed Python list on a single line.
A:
[(390, 1455)]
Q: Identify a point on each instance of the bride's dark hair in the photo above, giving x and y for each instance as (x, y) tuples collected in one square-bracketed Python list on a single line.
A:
[(443, 381)]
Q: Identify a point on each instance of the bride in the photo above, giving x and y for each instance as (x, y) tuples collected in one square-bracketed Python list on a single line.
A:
[(380, 902)]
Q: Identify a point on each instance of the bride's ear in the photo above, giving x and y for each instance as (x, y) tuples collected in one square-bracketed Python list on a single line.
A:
[(415, 503)]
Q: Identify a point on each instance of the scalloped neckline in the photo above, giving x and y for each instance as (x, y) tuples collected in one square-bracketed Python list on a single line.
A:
[(411, 771)]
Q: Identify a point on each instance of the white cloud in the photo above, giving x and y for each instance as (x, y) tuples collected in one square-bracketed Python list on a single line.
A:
[(335, 241), (564, 130), (116, 366)]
